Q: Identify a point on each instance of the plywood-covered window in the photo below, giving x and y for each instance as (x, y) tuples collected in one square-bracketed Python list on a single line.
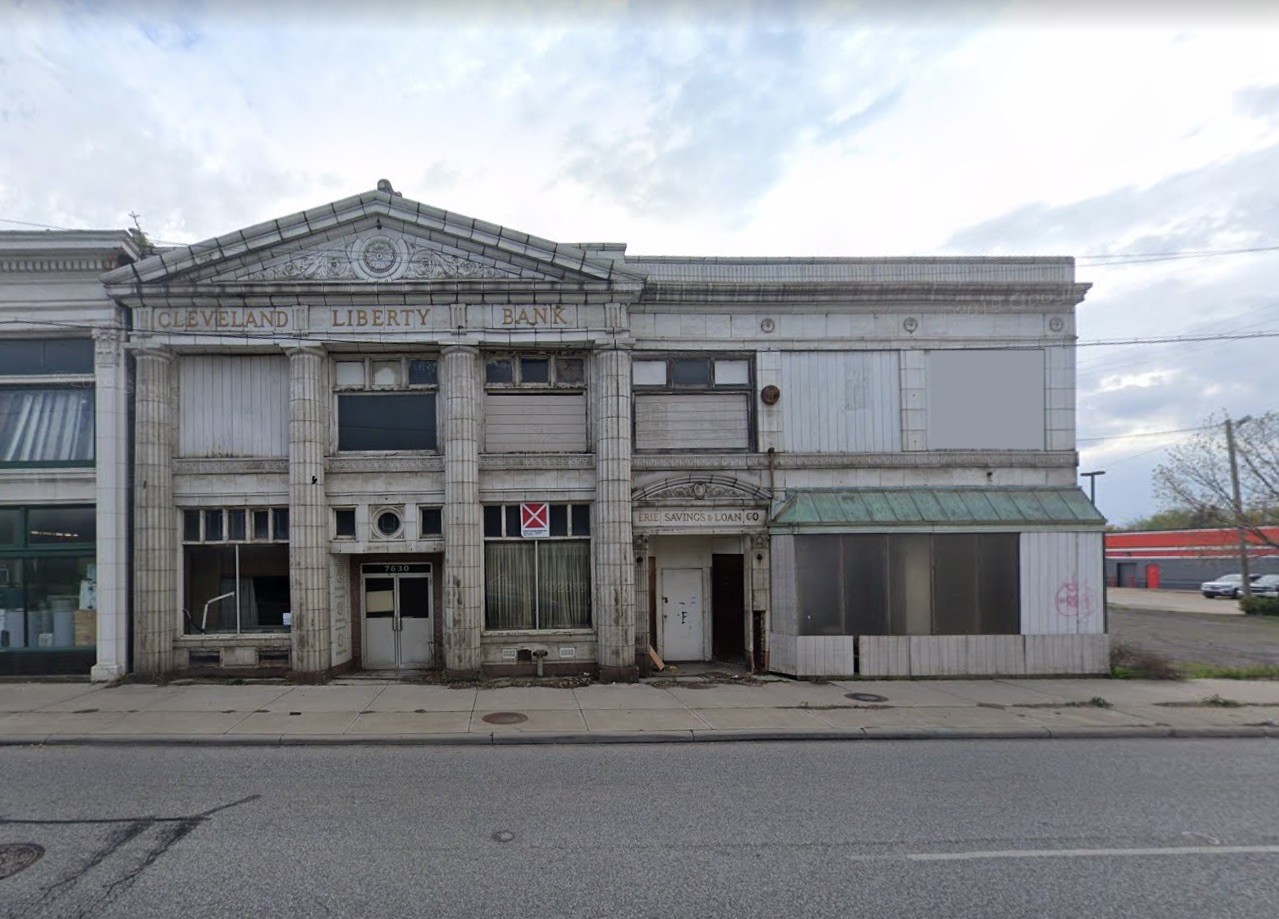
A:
[(233, 405), (986, 400), (909, 584), (692, 402), (841, 401), (535, 403)]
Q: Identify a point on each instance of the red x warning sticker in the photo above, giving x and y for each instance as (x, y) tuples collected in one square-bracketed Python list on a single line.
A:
[(535, 520)]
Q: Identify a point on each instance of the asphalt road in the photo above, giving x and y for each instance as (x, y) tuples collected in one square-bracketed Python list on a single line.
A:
[(1166, 828)]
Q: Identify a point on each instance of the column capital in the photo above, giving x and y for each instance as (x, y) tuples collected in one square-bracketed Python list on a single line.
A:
[(158, 353), (459, 349), (310, 348)]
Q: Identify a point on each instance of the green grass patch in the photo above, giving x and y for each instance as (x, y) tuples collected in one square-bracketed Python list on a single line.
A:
[(1219, 672), (1128, 663)]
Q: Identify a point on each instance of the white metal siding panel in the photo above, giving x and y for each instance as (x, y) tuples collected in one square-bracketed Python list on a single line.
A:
[(541, 423), (701, 421), (825, 655), (841, 401), (781, 653), (883, 655), (1061, 583), (233, 405)]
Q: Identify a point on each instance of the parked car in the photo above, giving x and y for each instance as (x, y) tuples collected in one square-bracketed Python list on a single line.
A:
[(1266, 586), (1228, 585)]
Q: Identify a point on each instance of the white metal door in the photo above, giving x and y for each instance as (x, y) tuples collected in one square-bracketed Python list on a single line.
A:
[(417, 634), (379, 623), (683, 615), (398, 628)]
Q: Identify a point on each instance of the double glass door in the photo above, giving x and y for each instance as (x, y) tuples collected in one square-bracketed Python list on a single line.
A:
[(398, 631)]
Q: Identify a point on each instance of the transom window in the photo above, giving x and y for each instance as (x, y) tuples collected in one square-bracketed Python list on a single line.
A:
[(535, 370), (386, 372), (235, 524), (46, 356), (694, 372)]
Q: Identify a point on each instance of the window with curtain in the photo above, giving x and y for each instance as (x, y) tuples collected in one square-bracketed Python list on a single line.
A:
[(542, 583), (46, 425)]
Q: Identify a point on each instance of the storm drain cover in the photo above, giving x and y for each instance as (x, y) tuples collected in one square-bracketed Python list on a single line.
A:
[(505, 718), (866, 697), (14, 856)]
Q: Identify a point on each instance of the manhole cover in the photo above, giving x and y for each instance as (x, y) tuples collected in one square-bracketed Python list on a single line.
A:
[(14, 856), (504, 718), (866, 697)]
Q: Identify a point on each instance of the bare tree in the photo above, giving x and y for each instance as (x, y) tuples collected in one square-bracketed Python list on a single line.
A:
[(1196, 474)]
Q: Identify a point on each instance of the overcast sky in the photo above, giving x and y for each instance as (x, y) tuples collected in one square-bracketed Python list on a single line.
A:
[(1086, 129)]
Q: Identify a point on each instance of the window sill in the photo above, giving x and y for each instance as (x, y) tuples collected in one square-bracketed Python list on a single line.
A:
[(234, 640), (507, 634)]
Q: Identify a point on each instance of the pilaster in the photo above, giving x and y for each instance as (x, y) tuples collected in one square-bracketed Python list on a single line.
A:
[(156, 607), (308, 519), (111, 452), (614, 574), (462, 396), (760, 599)]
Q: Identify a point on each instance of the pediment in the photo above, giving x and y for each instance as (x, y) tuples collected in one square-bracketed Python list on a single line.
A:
[(374, 253), (377, 237), (695, 488)]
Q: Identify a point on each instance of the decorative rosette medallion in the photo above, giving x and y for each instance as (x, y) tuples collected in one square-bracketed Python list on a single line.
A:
[(379, 258)]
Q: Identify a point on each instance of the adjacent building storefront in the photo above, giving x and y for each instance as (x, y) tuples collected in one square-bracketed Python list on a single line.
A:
[(64, 429)]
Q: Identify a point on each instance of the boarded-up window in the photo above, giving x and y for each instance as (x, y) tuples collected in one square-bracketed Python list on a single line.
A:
[(535, 423), (841, 401), (703, 421), (234, 405), (908, 584), (986, 400)]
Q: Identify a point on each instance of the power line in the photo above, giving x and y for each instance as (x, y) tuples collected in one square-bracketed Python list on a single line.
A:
[(987, 344), (1086, 440)]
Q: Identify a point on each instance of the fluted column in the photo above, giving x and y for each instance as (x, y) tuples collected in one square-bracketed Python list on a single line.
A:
[(462, 395), (111, 457), (614, 574), (308, 509), (156, 606)]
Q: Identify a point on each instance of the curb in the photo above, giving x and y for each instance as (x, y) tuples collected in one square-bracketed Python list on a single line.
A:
[(515, 738)]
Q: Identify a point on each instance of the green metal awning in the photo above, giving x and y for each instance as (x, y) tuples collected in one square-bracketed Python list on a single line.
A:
[(977, 507)]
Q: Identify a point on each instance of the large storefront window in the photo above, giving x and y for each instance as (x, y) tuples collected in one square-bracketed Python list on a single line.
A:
[(537, 582), (909, 584), (48, 579), (236, 569)]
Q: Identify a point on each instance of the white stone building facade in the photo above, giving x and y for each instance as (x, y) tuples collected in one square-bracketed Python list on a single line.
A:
[(378, 435), (64, 461)]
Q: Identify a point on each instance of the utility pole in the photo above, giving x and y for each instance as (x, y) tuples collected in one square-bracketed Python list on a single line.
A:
[(1246, 587), (1092, 483)]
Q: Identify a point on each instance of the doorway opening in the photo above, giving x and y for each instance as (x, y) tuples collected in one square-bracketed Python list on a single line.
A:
[(397, 623)]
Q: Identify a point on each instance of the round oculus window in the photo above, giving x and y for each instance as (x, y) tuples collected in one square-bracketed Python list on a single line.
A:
[(388, 523)]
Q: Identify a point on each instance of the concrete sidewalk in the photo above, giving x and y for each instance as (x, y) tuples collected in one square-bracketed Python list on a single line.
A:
[(372, 711)]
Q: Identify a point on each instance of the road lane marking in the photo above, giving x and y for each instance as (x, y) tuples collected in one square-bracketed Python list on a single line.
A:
[(1092, 853)]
